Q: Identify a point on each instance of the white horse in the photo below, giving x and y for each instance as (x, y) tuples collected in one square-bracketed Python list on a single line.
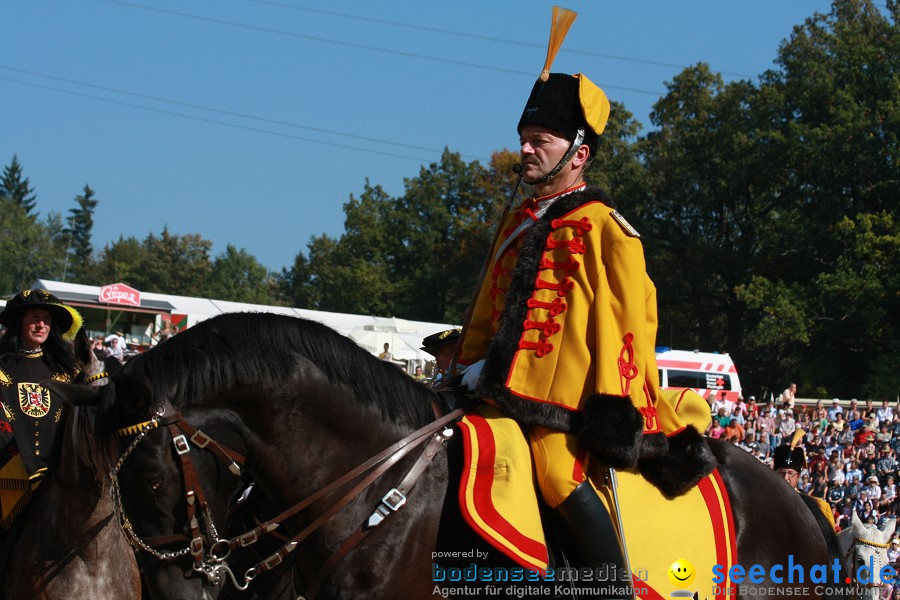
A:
[(865, 545)]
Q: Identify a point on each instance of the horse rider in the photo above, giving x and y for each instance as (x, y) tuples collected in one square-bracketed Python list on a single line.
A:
[(36, 346), (563, 330), (788, 460), (441, 346)]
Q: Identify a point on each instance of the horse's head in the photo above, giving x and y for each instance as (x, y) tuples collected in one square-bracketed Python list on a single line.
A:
[(867, 545), (171, 493)]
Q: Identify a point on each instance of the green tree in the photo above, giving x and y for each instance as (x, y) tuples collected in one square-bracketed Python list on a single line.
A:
[(617, 167), (236, 275), (294, 287), (416, 256), (352, 274), (709, 182), (80, 223), (15, 188), (167, 264), (119, 261), (175, 264), (760, 197), (442, 231), (29, 249), (838, 114)]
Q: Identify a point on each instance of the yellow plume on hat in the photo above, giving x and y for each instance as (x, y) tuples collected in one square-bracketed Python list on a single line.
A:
[(77, 321), (797, 437), (562, 20)]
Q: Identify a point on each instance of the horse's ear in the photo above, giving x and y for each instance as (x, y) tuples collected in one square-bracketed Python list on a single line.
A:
[(74, 394), (857, 523), (132, 391), (888, 528)]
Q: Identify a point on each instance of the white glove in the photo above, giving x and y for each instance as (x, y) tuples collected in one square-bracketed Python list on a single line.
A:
[(472, 375)]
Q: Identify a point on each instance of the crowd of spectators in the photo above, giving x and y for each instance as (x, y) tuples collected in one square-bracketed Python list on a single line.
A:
[(852, 452)]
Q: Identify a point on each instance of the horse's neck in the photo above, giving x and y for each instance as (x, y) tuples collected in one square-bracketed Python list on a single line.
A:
[(287, 469), (74, 470)]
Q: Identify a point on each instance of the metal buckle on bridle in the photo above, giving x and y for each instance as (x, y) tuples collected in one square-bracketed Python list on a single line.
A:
[(200, 439), (391, 503), (196, 547), (181, 444)]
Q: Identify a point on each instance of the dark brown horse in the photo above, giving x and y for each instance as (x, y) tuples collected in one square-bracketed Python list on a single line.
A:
[(67, 543), (302, 405)]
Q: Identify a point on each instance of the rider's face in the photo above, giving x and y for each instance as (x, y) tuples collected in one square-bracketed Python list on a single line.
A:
[(541, 150), (444, 357), (789, 475), (36, 324)]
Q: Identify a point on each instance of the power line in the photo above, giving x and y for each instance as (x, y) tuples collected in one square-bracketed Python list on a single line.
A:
[(313, 38), (226, 112), (476, 36), (212, 121)]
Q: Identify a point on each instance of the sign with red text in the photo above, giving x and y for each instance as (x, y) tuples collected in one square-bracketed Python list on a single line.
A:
[(119, 293)]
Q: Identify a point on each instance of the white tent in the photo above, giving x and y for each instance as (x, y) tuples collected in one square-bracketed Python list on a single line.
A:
[(402, 336), (374, 341), (405, 337)]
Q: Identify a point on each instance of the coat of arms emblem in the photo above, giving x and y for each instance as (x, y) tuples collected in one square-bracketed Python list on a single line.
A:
[(34, 400)]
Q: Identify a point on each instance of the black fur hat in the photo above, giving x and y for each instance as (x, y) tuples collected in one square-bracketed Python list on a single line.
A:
[(567, 103), (786, 457)]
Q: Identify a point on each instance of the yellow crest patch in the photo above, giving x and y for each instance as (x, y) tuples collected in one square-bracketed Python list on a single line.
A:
[(4, 378), (34, 400)]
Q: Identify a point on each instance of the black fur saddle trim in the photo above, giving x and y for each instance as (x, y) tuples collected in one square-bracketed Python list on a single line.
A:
[(611, 430), (688, 460)]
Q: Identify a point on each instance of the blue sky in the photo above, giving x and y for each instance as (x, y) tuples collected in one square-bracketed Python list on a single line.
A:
[(251, 122)]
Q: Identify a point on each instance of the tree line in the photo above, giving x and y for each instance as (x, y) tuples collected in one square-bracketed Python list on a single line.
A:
[(60, 248), (768, 211)]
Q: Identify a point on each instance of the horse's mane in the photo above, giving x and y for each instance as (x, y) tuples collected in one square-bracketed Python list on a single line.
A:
[(250, 349)]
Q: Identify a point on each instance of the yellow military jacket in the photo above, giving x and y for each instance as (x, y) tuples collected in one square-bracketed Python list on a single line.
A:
[(567, 310)]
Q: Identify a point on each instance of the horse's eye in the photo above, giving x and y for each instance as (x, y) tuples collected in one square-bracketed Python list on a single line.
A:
[(154, 482)]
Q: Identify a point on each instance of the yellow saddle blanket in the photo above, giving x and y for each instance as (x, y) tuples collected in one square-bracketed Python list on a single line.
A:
[(498, 498)]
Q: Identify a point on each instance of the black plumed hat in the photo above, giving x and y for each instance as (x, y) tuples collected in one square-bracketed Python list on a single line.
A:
[(65, 318), (567, 103)]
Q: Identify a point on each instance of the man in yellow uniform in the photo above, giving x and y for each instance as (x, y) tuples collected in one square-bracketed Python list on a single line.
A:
[(562, 335)]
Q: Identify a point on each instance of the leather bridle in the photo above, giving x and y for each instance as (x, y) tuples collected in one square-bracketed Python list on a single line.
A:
[(212, 561), (852, 559)]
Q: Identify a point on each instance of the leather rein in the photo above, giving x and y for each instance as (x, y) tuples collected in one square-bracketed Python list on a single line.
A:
[(211, 562)]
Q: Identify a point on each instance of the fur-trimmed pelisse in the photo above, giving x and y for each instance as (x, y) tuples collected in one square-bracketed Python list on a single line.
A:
[(610, 427)]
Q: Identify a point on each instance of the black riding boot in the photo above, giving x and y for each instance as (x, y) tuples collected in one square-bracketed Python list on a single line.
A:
[(590, 532)]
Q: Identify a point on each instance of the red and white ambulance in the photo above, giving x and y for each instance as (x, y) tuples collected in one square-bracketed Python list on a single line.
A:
[(706, 373)]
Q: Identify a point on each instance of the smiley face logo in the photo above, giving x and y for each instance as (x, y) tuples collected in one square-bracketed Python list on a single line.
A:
[(682, 573)]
